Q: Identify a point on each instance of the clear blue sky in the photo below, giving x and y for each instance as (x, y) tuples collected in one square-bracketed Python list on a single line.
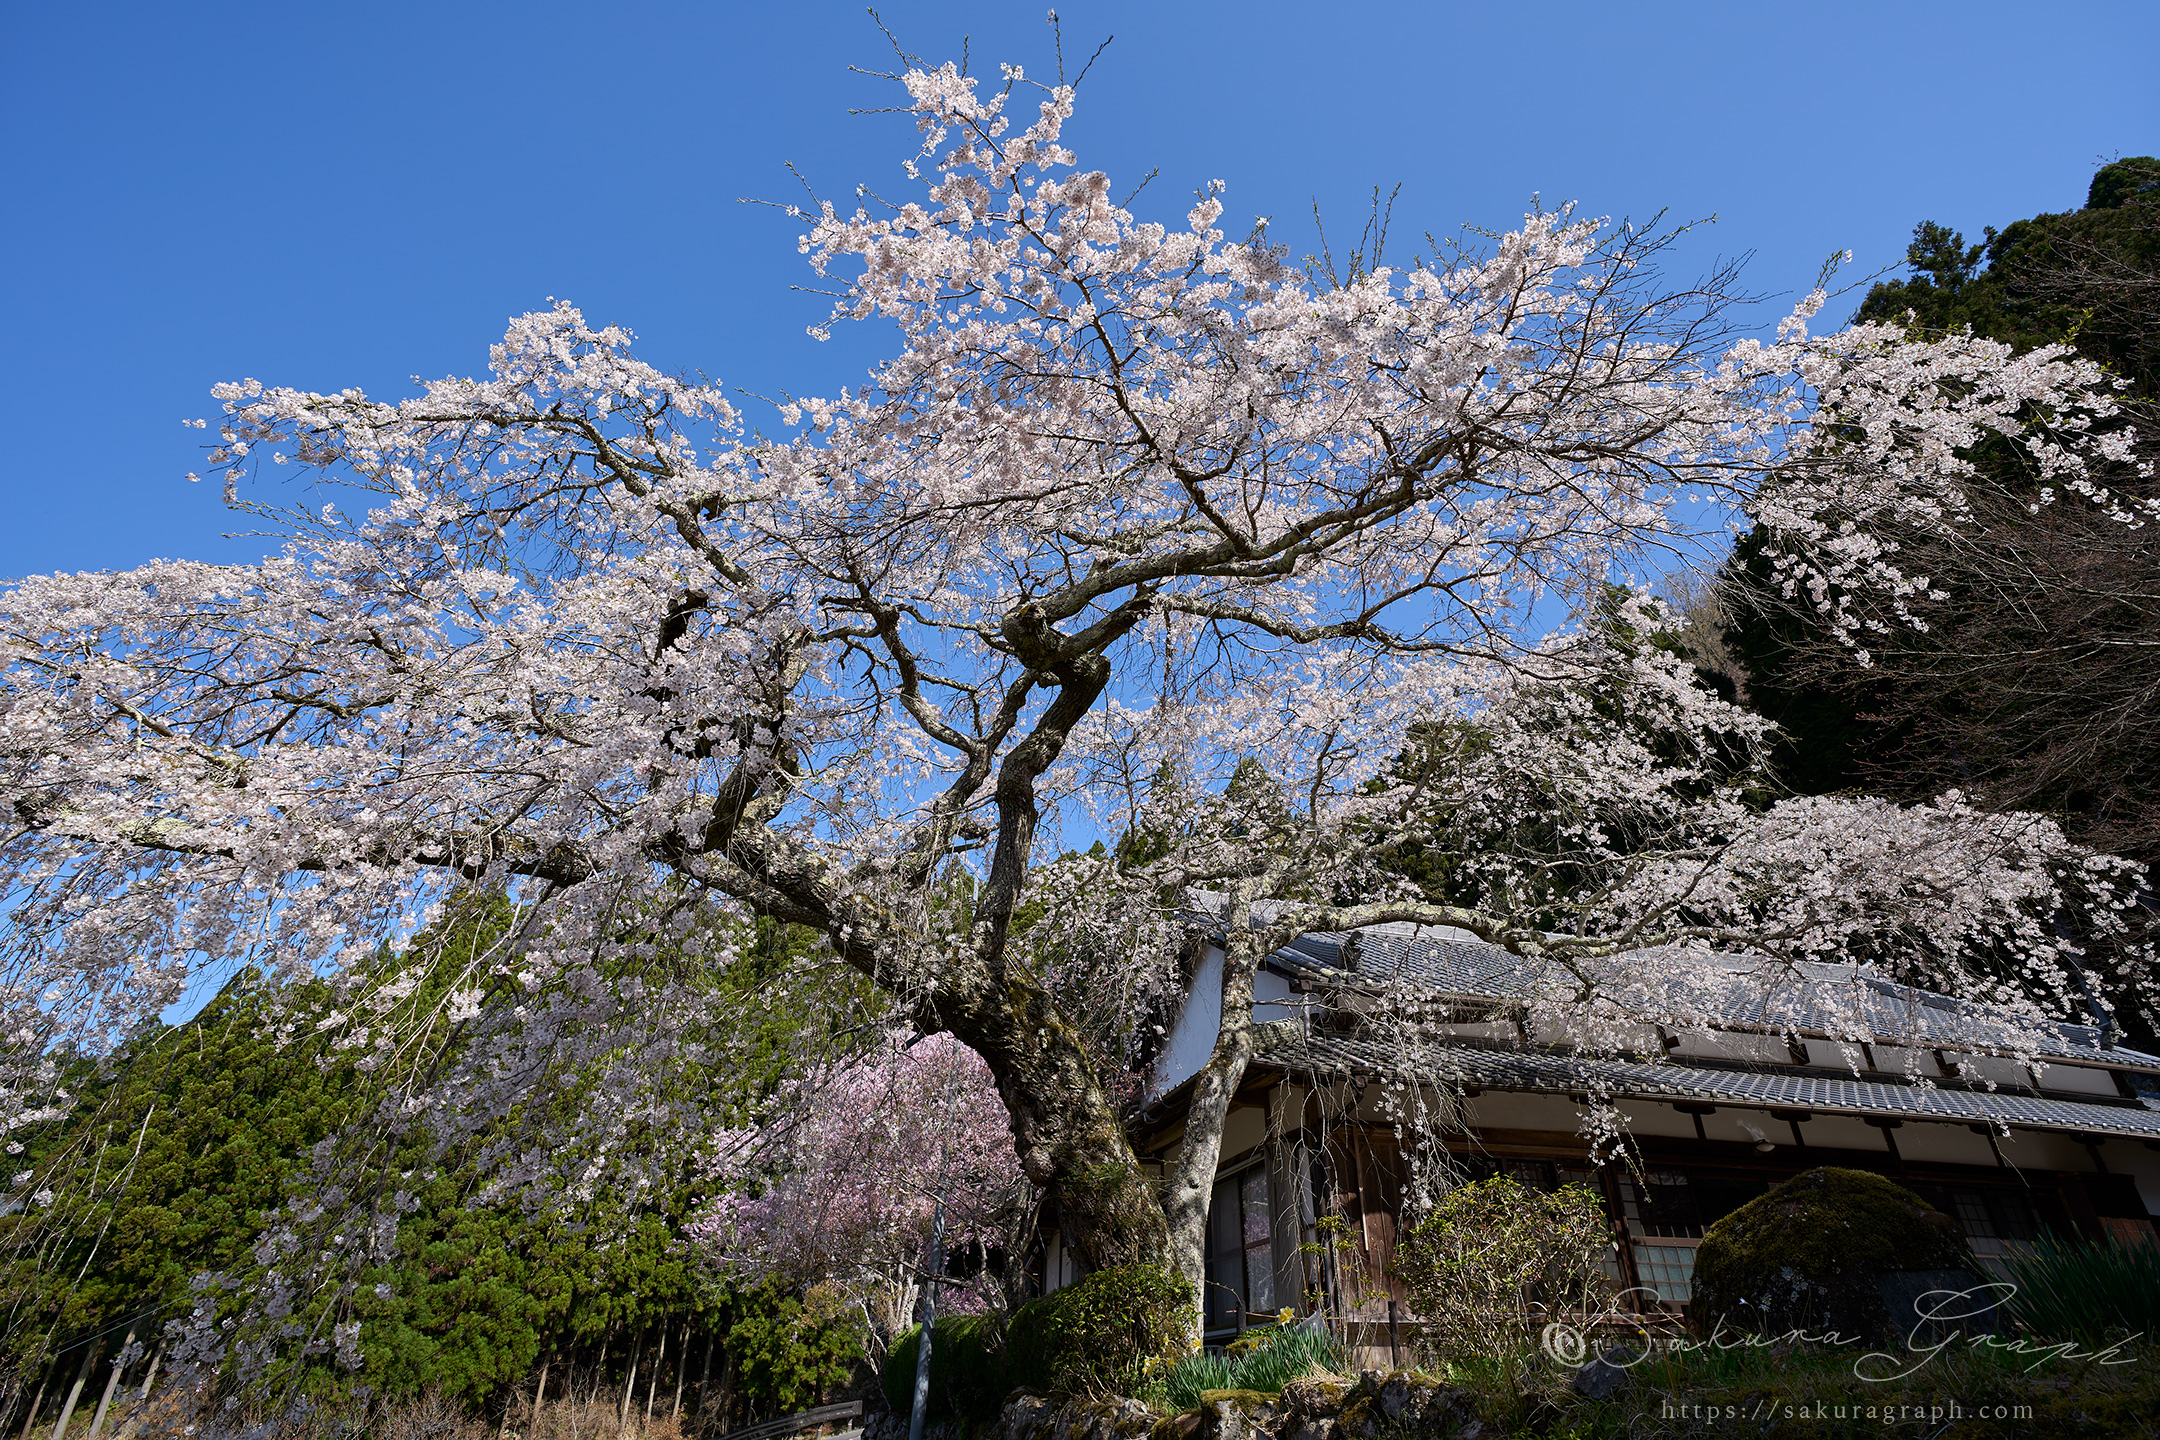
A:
[(325, 195)]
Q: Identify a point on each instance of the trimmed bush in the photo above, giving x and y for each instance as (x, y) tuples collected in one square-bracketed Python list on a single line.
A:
[(967, 1369), (1098, 1336), (1811, 1255), (1493, 1260)]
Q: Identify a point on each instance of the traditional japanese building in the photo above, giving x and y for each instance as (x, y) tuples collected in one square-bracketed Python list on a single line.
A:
[(1717, 1115)]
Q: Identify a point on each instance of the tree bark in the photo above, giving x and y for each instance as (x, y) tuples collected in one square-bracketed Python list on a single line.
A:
[(1191, 1181), (637, 1345), (112, 1382), (44, 1379), (67, 1411)]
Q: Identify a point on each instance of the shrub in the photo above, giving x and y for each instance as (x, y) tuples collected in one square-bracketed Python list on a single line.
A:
[(1489, 1253), (1810, 1255), (1276, 1356), (2072, 1290), (1097, 1337), (967, 1368)]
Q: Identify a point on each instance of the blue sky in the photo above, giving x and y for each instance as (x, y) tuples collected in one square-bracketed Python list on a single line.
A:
[(329, 196)]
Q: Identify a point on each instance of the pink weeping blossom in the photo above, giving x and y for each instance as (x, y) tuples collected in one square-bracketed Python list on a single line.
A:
[(841, 1188)]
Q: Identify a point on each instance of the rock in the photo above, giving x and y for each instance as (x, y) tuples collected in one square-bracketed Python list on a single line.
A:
[(1237, 1415), (1314, 1398), (1607, 1375), (1087, 1419), (1400, 1402), (1177, 1427), (1316, 1427), (1024, 1417)]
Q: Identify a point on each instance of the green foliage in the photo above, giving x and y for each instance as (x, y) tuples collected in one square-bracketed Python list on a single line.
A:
[(968, 1373), (788, 1349), (1808, 1253), (1486, 1253), (1098, 1336), (1275, 1356), (168, 1168), (2074, 1290), (476, 1291)]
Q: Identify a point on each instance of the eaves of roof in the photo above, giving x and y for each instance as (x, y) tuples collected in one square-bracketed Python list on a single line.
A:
[(1902, 1014), (1287, 1045)]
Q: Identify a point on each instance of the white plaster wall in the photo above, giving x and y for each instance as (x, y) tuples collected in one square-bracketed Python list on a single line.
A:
[(1944, 1144), (1498, 1110), (1993, 1068), (1647, 1118), (1272, 997), (1192, 1038), (2044, 1150), (2079, 1079), (1840, 1132), (1732, 1045), (1243, 1128)]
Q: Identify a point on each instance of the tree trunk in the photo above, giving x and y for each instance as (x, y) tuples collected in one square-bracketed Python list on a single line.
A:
[(712, 1342), (44, 1379), (539, 1394), (1191, 1181), (629, 1388), (727, 1390), (67, 1411), (150, 1379), (112, 1382), (652, 1382)]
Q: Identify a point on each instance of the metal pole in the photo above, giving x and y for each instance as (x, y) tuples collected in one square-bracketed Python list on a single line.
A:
[(937, 1261), (929, 1320)]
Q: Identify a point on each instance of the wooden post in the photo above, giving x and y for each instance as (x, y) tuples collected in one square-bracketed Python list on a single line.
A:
[(97, 1421), (1394, 1336), (67, 1411), (150, 1379), (682, 1370)]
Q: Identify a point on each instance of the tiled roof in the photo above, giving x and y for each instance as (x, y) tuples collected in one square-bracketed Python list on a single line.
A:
[(1446, 965), (1291, 1045)]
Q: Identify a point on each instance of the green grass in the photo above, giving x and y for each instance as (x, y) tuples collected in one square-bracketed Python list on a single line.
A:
[(2087, 1292), (1278, 1355)]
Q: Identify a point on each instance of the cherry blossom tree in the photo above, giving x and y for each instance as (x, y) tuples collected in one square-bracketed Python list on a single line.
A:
[(840, 1190), (1130, 500)]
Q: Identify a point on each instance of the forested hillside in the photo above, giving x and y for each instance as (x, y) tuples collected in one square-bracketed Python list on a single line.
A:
[(165, 1188)]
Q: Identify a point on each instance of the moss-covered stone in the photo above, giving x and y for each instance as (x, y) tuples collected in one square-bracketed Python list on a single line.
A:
[(1086, 1417), (1237, 1415), (1315, 1397), (1402, 1403), (1810, 1255)]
